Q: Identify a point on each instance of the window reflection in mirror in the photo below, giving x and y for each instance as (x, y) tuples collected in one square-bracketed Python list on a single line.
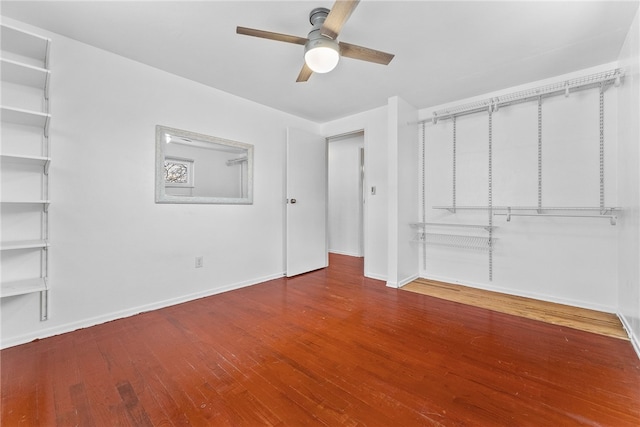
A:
[(197, 168)]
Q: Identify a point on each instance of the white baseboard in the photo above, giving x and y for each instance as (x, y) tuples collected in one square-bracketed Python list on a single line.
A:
[(402, 282), (85, 323), (375, 276), (627, 327), (542, 297), (354, 254)]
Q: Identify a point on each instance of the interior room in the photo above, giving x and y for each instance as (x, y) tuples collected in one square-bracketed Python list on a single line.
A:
[(204, 221)]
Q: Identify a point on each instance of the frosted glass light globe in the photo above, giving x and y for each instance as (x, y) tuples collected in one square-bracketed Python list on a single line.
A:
[(322, 59)]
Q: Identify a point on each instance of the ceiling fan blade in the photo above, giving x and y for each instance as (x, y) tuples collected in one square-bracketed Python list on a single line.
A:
[(305, 73), (271, 36), (364, 53), (340, 12)]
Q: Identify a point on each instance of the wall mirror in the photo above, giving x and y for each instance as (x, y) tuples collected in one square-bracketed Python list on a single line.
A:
[(196, 168)]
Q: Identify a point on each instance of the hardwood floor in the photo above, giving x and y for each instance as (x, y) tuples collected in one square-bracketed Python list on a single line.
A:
[(326, 348), (559, 314)]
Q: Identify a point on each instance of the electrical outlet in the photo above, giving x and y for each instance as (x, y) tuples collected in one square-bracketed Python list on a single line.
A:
[(199, 261)]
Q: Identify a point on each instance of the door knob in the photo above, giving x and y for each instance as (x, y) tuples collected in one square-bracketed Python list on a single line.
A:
[(293, 201)]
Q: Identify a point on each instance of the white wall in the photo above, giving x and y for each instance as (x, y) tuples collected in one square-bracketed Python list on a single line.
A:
[(345, 196), (566, 260), (403, 192), (374, 124), (114, 252), (629, 186)]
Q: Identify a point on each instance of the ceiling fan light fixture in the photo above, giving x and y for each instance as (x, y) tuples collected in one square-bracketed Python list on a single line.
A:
[(321, 55), (322, 51)]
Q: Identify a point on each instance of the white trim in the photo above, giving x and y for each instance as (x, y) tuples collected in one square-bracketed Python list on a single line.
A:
[(402, 282), (541, 297), (353, 254), (375, 276), (70, 327), (629, 330)]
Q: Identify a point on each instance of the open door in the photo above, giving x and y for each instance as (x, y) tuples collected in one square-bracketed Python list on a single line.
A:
[(306, 202)]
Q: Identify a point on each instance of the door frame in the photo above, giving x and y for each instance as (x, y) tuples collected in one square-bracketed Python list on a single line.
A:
[(363, 181)]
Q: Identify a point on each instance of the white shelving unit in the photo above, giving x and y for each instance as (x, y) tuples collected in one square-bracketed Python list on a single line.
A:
[(605, 212), (24, 244), (453, 235), (24, 74), (601, 81), (477, 237), (43, 204), (451, 225), (8, 159), (24, 67), (26, 117), (455, 241), (22, 287)]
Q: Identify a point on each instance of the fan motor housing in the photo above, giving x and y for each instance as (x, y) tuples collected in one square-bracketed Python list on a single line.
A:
[(318, 15), (321, 41)]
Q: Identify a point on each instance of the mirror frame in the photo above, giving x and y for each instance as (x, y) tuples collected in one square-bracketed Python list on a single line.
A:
[(163, 197)]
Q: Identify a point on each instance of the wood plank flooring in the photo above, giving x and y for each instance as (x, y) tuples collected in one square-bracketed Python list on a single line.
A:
[(559, 314), (327, 348)]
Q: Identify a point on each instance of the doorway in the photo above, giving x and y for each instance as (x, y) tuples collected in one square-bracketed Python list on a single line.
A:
[(346, 198)]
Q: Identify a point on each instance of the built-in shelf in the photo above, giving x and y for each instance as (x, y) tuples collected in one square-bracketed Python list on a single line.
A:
[(26, 202), (24, 74), (23, 244), (23, 287), (26, 117), (44, 203), (6, 159), (24, 63), (24, 43)]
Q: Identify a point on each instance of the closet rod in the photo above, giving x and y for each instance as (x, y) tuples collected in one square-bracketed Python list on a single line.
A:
[(531, 208), (612, 218), (608, 78)]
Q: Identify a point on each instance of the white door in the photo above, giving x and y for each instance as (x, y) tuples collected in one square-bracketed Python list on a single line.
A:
[(306, 202)]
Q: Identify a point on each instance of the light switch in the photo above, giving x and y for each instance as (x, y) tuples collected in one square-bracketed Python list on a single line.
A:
[(373, 190)]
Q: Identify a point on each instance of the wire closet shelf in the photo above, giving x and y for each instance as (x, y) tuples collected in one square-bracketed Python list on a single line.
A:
[(603, 79), (464, 236)]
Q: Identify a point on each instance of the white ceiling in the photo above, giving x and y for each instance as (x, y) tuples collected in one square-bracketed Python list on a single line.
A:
[(445, 50)]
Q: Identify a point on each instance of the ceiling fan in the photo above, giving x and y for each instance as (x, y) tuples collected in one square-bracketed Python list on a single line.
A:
[(322, 50)]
